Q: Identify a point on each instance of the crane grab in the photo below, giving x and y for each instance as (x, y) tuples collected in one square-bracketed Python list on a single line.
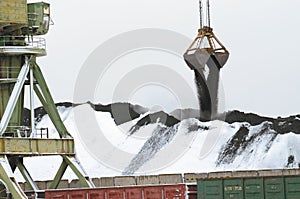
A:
[(206, 50)]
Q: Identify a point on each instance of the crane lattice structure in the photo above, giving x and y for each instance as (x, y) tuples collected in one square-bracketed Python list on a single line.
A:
[(20, 23)]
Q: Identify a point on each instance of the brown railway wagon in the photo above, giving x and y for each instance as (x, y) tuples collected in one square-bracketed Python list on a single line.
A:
[(134, 192)]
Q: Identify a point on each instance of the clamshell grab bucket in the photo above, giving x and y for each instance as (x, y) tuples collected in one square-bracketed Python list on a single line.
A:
[(196, 59), (204, 47), (206, 51)]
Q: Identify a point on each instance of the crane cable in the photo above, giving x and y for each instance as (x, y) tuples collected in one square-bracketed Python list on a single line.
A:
[(207, 13), (201, 14)]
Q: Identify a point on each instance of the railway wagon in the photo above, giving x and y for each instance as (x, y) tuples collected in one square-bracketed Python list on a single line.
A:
[(130, 192), (250, 185)]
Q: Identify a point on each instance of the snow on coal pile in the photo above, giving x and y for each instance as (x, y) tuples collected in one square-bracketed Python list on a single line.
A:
[(144, 143)]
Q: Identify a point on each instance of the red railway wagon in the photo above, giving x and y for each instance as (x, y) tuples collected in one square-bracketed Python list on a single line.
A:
[(134, 192)]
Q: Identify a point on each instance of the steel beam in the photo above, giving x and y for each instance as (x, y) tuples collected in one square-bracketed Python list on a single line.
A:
[(27, 176), (32, 118), (41, 98), (47, 98), (36, 147), (6, 175), (76, 168), (10, 107), (58, 175)]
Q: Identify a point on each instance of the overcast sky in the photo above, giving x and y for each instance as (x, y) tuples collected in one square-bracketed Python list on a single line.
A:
[(262, 74)]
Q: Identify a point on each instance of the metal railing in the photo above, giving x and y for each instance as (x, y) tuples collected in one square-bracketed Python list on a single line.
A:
[(20, 41), (42, 133), (26, 132), (18, 131)]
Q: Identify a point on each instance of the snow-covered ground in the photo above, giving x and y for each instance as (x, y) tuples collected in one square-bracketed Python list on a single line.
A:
[(188, 146)]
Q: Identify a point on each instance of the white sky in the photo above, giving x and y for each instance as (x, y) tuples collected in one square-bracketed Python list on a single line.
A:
[(262, 74)]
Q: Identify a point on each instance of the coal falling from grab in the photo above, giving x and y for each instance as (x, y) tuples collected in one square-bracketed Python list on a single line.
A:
[(206, 56)]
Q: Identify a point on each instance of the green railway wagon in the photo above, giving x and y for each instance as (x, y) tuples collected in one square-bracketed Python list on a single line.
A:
[(210, 189), (233, 188), (256, 187), (274, 188), (253, 188), (292, 187)]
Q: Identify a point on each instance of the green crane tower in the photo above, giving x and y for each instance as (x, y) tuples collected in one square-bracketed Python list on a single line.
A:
[(20, 23)]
